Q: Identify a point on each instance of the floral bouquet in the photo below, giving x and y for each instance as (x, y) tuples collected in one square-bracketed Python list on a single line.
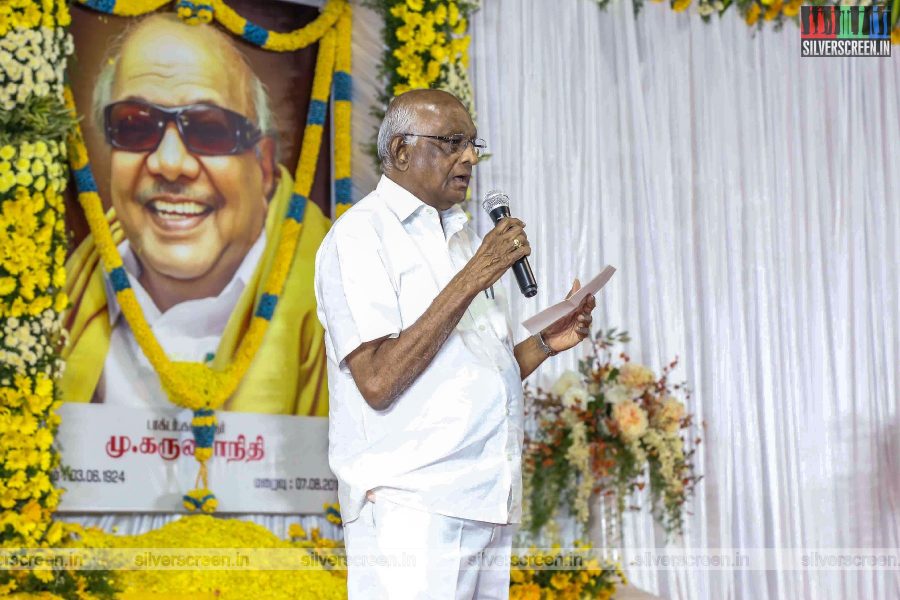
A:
[(610, 429)]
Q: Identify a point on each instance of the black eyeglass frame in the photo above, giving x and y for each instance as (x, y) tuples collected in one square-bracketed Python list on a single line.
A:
[(479, 144), (246, 133)]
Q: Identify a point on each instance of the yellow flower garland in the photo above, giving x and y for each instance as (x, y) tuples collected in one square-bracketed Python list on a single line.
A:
[(125, 8), (280, 42), (231, 20), (343, 108)]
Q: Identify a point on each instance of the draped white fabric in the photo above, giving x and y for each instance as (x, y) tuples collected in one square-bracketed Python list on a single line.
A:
[(751, 202)]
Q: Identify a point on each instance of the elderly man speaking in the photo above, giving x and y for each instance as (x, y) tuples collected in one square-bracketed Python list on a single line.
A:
[(425, 383)]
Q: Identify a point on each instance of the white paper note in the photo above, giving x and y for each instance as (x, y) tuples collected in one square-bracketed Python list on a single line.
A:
[(558, 311)]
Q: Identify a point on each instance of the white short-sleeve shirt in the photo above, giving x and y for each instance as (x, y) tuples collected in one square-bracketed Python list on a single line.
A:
[(452, 442)]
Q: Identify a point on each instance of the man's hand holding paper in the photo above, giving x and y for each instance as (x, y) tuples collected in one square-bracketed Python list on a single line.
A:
[(572, 328), (559, 318)]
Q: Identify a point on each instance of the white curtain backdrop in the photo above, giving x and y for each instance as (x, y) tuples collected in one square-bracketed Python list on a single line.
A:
[(750, 199)]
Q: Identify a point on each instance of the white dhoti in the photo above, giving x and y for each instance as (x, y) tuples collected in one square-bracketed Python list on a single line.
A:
[(400, 553)]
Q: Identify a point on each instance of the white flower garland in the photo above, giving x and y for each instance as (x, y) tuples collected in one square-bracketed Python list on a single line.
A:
[(26, 347), (456, 80), (30, 64)]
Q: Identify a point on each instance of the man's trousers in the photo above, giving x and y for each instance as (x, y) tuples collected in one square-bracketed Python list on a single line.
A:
[(400, 553)]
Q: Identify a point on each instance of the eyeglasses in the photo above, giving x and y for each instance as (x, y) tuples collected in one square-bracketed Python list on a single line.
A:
[(454, 144), (204, 128)]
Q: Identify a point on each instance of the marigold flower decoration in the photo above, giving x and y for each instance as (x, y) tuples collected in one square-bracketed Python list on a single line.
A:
[(426, 46), (277, 569), (588, 577)]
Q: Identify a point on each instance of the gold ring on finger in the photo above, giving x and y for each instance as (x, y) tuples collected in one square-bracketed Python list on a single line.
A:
[(516, 243)]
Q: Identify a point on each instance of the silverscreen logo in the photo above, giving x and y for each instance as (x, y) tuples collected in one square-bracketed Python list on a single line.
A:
[(845, 30)]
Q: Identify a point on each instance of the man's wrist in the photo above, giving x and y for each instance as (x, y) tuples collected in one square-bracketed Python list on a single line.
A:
[(543, 345)]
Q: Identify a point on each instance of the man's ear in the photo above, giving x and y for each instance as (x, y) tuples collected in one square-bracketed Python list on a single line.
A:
[(399, 153), (265, 153)]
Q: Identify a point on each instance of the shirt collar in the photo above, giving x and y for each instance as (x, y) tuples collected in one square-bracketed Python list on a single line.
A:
[(398, 199), (453, 219), (133, 268), (404, 203)]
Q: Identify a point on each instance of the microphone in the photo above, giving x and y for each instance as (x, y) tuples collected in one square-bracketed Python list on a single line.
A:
[(496, 203)]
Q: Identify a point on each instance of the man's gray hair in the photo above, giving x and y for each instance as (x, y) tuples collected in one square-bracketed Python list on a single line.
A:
[(104, 86), (400, 118)]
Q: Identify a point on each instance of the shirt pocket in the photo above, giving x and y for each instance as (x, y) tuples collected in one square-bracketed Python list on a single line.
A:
[(416, 291), (490, 313)]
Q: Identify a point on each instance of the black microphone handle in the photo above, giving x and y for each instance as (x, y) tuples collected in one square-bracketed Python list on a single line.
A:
[(525, 277), (521, 268)]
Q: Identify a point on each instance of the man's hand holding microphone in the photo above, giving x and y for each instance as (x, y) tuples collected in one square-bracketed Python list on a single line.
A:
[(506, 246)]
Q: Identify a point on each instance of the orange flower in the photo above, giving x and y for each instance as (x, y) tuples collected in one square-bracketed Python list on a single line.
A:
[(630, 419)]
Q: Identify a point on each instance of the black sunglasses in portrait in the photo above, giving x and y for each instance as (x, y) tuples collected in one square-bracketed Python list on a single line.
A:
[(206, 129)]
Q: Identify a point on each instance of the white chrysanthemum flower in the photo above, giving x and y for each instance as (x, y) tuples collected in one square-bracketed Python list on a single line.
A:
[(616, 394), (565, 381), (575, 396)]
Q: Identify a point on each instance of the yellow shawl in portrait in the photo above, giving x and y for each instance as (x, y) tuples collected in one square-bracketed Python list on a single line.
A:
[(287, 376)]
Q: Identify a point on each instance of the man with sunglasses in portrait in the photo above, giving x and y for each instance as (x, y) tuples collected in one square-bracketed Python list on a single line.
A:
[(426, 413), (198, 201)]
